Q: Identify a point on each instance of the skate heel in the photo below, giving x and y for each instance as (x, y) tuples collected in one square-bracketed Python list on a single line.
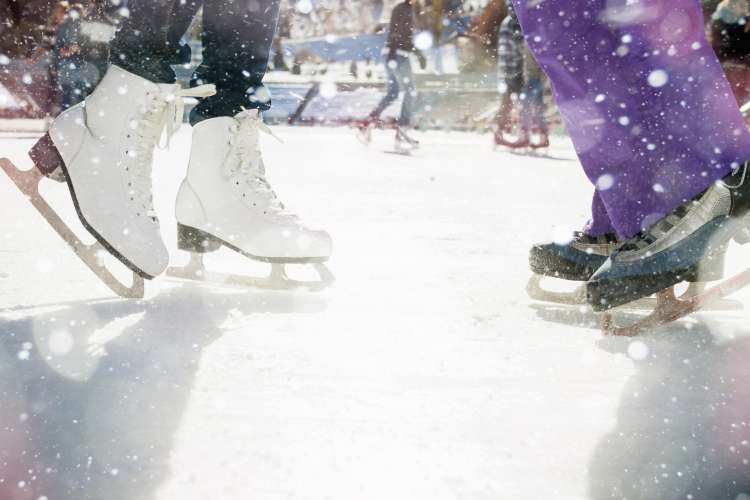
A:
[(47, 159), (194, 240), (710, 269)]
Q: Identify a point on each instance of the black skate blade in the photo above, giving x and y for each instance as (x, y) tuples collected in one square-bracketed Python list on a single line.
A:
[(28, 183), (196, 271), (670, 308)]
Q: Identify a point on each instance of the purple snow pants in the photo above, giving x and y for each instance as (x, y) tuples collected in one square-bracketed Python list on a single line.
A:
[(652, 117)]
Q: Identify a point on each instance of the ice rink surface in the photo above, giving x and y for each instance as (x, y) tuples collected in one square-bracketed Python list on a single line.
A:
[(424, 373)]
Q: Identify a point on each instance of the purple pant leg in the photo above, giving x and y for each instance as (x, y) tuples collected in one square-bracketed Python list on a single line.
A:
[(600, 223), (652, 116)]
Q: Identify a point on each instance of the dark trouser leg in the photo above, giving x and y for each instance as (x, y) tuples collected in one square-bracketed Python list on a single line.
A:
[(237, 39), (534, 93), (148, 41), (391, 93), (406, 81)]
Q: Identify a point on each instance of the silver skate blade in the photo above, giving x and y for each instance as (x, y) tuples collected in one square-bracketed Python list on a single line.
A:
[(195, 270), (577, 297), (28, 182), (535, 291), (670, 308)]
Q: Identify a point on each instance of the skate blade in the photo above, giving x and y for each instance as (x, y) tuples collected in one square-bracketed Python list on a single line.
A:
[(577, 297), (400, 151), (28, 183), (196, 271), (670, 308), (535, 291)]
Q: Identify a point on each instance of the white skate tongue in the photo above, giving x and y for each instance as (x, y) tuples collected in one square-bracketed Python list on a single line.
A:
[(250, 159), (173, 115)]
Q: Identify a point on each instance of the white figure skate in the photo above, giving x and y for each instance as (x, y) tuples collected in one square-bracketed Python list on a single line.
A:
[(225, 200), (103, 150)]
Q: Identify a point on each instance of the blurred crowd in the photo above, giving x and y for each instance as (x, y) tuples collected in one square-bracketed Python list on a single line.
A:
[(58, 48), (302, 19), (63, 44)]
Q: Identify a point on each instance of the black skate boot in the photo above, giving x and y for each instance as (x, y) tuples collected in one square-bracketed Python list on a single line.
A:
[(687, 245), (574, 261)]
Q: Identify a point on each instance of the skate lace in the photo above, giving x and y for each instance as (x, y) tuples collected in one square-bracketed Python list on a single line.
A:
[(248, 168), (736, 170), (159, 117)]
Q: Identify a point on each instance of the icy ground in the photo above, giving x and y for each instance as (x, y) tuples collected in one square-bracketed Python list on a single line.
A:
[(424, 373)]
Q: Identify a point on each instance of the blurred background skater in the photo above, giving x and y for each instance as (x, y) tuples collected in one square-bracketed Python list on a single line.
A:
[(730, 37), (398, 49), (521, 119)]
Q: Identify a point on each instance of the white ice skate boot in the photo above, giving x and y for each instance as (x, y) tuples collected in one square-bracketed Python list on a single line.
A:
[(103, 149), (405, 144), (225, 200)]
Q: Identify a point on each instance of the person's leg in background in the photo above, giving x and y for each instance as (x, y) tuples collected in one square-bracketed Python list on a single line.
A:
[(534, 121), (225, 196), (237, 39), (409, 88), (510, 74), (391, 93), (392, 90), (653, 120)]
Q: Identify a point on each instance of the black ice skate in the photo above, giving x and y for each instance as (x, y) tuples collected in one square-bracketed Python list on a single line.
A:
[(686, 245), (576, 261)]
